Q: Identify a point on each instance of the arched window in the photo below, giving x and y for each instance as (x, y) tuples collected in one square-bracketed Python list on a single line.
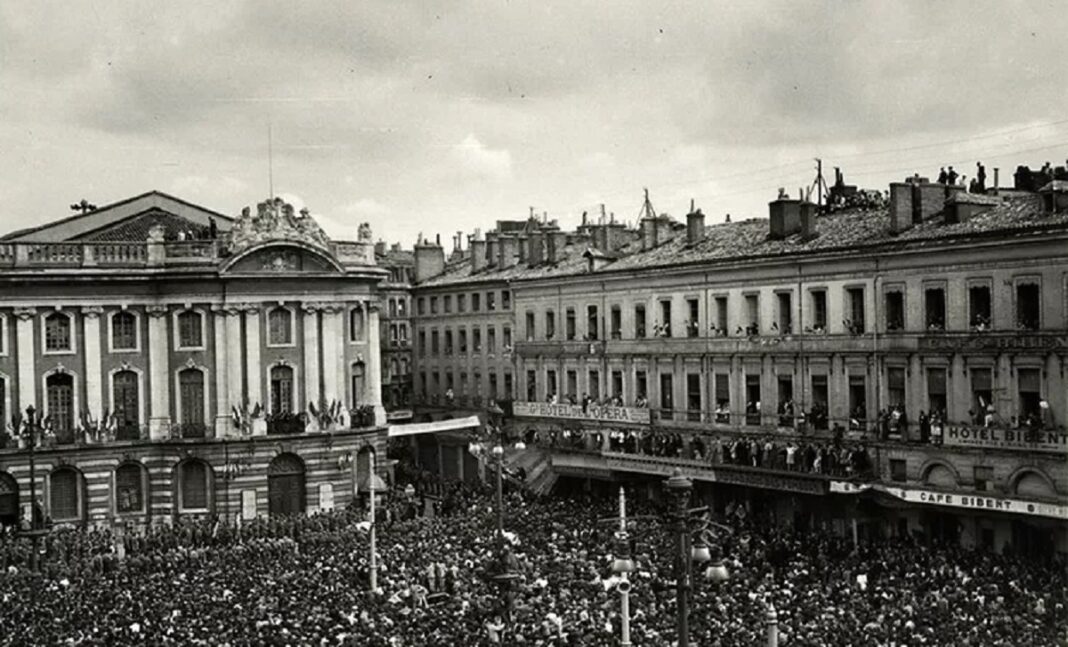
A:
[(358, 372), (59, 388), (129, 488), (393, 307), (65, 495), (190, 329), (57, 332), (280, 327), (281, 390), (355, 324), (194, 486), (191, 401), (394, 368), (123, 331), (126, 404)]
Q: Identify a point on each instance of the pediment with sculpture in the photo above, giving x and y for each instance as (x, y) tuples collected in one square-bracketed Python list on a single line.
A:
[(275, 220), (283, 259)]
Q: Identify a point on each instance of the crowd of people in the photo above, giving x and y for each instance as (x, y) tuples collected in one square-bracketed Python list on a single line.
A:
[(304, 581)]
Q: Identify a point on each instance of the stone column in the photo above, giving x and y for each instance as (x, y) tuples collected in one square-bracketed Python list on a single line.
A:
[(26, 343), (331, 360), (235, 387), (374, 364), (311, 354), (159, 384), (223, 421), (94, 398), (253, 367)]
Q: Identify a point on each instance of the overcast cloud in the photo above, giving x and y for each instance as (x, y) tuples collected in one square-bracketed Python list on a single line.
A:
[(438, 116)]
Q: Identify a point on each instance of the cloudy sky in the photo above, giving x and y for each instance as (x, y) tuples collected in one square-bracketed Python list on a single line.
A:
[(431, 117)]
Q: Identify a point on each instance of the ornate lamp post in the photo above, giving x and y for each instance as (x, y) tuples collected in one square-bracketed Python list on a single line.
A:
[(375, 485), (622, 566), (505, 575), (31, 434)]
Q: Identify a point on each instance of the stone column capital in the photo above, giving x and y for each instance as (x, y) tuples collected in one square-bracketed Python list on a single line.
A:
[(157, 310), (92, 312), (311, 307), (25, 314)]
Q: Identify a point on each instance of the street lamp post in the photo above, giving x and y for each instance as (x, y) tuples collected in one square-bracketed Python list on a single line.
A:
[(622, 565), (32, 431), (505, 575)]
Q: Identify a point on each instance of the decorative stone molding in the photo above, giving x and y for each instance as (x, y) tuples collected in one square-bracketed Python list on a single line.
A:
[(25, 314), (275, 220), (310, 307), (156, 311), (92, 312)]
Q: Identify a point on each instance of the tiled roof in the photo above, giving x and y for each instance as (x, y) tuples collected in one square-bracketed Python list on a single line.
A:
[(135, 229), (394, 258), (838, 232)]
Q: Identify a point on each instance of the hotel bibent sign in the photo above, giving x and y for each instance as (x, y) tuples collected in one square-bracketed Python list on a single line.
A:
[(577, 412), (1045, 440)]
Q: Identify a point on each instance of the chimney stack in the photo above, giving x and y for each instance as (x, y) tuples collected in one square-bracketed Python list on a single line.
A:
[(536, 254), (784, 216), (506, 251), (555, 241), (478, 251), (648, 229), (429, 260), (809, 211), (695, 226), (522, 246), (492, 248), (380, 248)]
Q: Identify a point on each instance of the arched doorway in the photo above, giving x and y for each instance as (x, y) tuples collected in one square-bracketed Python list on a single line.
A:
[(9, 500), (285, 485)]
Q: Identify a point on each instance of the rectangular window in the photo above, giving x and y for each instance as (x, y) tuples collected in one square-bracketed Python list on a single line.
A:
[(491, 300), (572, 385), (190, 330), (447, 303), (532, 386), (550, 324), (786, 314), (752, 314), (592, 323), (449, 382), (934, 309), (854, 323), (123, 331), (898, 471), (462, 340), (435, 348), (818, 415), (667, 399), (723, 398), (858, 402), (493, 386), (786, 400), (569, 324), (530, 325), (1029, 383), (639, 321), (476, 339), (463, 384), (491, 339), (506, 300), (280, 327), (895, 386), (550, 383), (664, 328), (693, 324), (752, 399), (979, 308), (422, 343), (448, 342), (1028, 306), (476, 382), (402, 307), (693, 397), (819, 311), (594, 385), (617, 385), (437, 382), (982, 395), (461, 303), (508, 386), (616, 322), (721, 317), (507, 338), (984, 478), (433, 305), (476, 302), (421, 304), (936, 391), (641, 385), (895, 310)]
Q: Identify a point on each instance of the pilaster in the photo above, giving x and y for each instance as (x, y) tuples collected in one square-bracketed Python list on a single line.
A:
[(253, 368), (25, 339), (374, 364), (94, 399), (312, 387), (331, 361), (223, 422), (159, 344)]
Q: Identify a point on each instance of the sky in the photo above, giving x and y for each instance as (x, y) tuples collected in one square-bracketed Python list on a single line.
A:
[(434, 117)]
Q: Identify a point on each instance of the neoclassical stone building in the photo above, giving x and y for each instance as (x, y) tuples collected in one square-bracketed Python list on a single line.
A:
[(181, 361)]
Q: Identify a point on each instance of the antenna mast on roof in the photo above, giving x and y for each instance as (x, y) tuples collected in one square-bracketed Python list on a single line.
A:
[(270, 162), (647, 207), (819, 185)]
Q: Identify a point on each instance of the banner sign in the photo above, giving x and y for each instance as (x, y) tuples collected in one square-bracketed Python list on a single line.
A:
[(1049, 440), (452, 424), (769, 481), (576, 412), (991, 341), (953, 500)]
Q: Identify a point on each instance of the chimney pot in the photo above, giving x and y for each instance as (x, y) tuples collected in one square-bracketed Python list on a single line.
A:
[(695, 226)]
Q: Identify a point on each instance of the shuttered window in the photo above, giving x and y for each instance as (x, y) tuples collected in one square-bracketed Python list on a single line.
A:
[(194, 485), (63, 498)]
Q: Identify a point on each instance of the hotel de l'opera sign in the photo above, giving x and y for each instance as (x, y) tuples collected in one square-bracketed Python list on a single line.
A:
[(577, 412)]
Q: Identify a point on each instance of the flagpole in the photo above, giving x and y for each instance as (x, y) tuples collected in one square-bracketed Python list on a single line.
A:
[(371, 493)]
